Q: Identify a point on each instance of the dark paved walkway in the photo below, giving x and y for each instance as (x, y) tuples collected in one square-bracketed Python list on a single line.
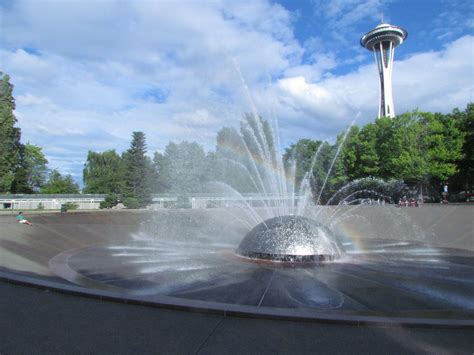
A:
[(35, 321)]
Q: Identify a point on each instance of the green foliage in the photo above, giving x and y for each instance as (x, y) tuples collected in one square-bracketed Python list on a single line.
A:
[(138, 171), (22, 167), (350, 153), (464, 179), (58, 184), (231, 164), (31, 175), (258, 137), (368, 158), (132, 203), (299, 157), (238, 155), (312, 160), (103, 173), (9, 135), (182, 168), (416, 147), (111, 200), (70, 206)]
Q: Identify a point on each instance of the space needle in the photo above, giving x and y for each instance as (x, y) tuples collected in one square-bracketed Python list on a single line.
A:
[(382, 40)]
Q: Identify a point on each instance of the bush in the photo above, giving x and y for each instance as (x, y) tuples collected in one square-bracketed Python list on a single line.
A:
[(131, 203), (40, 206), (110, 201), (71, 206)]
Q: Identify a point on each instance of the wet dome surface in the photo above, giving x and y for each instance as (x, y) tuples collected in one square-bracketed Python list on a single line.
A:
[(290, 239)]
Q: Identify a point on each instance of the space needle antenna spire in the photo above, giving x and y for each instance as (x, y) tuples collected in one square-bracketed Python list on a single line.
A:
[(382, 40)]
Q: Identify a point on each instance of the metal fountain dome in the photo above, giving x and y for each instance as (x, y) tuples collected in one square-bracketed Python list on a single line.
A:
[(385, 34), (292, 239)]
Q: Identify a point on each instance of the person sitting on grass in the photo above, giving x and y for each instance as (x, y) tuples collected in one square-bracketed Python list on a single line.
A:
[(22, 219)]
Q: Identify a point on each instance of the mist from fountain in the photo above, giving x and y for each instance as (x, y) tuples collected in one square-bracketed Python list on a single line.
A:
[(287, 250)]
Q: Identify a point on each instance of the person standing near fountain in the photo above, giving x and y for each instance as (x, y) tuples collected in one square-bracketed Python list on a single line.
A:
[(21, 219)]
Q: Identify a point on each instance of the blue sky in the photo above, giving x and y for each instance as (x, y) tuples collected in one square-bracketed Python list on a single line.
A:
[(88, 73)]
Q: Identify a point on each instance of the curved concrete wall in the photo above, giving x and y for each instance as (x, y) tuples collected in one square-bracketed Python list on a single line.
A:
[(29, 248)]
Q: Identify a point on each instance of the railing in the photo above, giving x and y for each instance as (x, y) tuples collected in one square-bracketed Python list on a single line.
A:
[(195, 201)]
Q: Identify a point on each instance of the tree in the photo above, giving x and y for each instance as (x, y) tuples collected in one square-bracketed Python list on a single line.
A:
[(138, 171), (9, 135), (400, 149), (182, 167), (442, 145), (103, 173), (258, 137), (368, 157), (32, 172), (301, 156), (110, 201), (350, 154), (232, 164), (316, 158), (58, 184), (464, 179)]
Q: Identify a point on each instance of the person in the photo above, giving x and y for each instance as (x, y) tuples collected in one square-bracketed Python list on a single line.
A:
[(22, 219), (445, 193)]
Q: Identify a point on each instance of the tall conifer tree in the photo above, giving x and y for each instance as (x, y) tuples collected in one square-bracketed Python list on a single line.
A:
[(9, 135), (138, 170)]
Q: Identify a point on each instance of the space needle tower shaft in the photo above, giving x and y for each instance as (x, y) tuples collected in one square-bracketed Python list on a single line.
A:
[(382, 40)]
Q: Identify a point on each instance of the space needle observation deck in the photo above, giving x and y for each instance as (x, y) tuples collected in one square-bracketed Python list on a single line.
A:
[(382, 40)]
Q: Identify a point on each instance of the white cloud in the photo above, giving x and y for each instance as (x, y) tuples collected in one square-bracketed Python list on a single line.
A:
[(87, 76), (433, 81)]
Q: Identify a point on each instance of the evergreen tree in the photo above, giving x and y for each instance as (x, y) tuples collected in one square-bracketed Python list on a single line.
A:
[(9, 135), (138, 171)]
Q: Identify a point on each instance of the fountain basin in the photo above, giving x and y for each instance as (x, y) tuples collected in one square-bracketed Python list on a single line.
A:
[(290, 239), (146, 256)]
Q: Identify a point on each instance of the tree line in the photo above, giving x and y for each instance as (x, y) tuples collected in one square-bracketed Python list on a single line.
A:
[(417, 151), (23, 166), (421, 150)]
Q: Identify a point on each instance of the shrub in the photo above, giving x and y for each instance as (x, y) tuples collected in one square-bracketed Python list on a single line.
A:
[(110, 201), (131, 203), (71, 206)]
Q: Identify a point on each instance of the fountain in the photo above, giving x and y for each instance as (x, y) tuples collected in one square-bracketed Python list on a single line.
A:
[(285, 253)]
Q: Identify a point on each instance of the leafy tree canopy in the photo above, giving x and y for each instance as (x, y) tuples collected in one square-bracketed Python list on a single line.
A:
[(32, 172), (58, 184), (103, 173)]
